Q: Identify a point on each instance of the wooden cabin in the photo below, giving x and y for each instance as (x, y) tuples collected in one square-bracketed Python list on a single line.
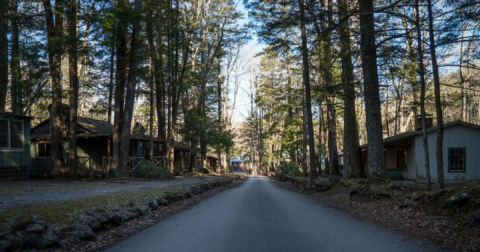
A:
[(213, 162), (94, 147), (181, 158), (14, 146)]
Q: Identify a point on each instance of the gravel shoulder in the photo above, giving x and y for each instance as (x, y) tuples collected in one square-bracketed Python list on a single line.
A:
[(15, 194)]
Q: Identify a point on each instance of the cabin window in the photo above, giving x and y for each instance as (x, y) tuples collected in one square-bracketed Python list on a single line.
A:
[(11, 134), (456, 159), (43, 150)]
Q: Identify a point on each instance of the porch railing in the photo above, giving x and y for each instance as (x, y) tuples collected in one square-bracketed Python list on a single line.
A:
[(84, 165), (134, 164)]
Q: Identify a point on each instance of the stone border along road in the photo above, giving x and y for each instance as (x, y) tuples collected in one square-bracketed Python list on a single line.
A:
[(40, 192)]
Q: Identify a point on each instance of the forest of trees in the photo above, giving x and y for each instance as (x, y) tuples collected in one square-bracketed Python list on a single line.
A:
[(370, 68), (333, 74), (159, 63)]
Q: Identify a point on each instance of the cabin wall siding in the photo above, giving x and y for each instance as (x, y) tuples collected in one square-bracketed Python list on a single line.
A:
[(411, 172), (459, 136), (17, 157)]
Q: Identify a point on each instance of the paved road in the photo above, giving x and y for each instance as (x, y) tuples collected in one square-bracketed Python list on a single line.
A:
[(258, 216)]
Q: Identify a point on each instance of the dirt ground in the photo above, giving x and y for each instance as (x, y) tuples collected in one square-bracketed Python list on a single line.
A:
[(428, 221)]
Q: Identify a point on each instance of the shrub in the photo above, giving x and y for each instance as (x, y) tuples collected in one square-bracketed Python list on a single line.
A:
[(290, 168), (150, 171)]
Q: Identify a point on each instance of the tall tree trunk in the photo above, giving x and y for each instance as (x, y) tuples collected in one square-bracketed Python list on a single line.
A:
[(220, 116), (15, 70), (110, 105), (350, 125), (376, 158), (55, 50), (3, 54), (304, 136), (131, 87), (72, 70), (438, 102), (153, 61), (120, 76), (306, 83), (327, 73), (421, 72)]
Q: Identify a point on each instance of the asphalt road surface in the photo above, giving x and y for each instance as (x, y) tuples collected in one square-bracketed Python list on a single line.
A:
[(258, 216)]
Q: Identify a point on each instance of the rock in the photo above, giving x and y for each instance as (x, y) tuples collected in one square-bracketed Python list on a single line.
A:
[(28, 239), (473, 218), (408, 203), (379, 191), (395, 185), (132, 214), (15, 242), (170, 197), (153, 204), (436, 194), (100, 215), (20, 222), (129, 203), (410, 185), (4, 232), (90, 221), (118, 218), (80, 232), (36, 227), (86, 230), (66, 244), (458, 199), (104, 218), (50, 237), (355, 189), (5, 245), (417, 196), (161, 201), (322, 184), (194, 190), (142, 210)]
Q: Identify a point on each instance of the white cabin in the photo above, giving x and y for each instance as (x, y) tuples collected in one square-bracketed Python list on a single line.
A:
[(404, 154)]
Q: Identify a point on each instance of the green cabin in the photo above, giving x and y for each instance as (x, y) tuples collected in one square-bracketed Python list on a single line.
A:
[(14, 146)]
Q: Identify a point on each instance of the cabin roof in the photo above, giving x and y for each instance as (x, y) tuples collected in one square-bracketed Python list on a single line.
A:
[(405, 139), (9, 115), (89, 127)]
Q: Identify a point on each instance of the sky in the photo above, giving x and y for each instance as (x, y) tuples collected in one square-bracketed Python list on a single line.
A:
[(242, 107)]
